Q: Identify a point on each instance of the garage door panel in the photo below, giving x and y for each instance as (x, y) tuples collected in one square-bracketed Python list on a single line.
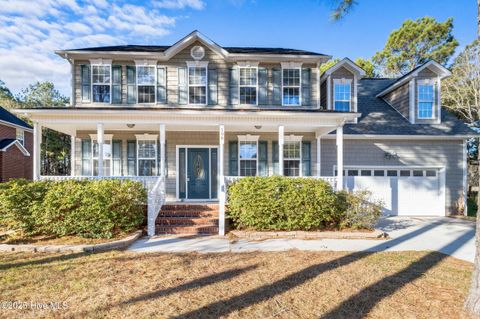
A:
[(403, 195)]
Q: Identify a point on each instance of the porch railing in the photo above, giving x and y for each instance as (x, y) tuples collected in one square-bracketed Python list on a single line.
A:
[(156, 199), (148, 182)]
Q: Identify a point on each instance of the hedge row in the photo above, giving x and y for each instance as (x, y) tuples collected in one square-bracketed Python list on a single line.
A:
[(282, 203), (92, 209)]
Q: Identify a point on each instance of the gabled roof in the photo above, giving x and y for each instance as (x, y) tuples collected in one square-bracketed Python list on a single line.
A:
[(5, 144), (346, 63), (8, 118), (168, 51), (379, 118), (434, 66)]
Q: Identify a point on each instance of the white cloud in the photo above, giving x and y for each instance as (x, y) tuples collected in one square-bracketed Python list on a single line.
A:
[(30, 32), (180, 4)]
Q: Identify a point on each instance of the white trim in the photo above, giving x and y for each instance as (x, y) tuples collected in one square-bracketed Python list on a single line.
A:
[(145, 62), (22, 131), (411, 101), (425, 82), (147, 65), (439, 100), (202, 52), (16, 126), (442, 73), (100, 63), (177, 178), (281, 141), (299, 68), (329, 93), (247, 65), (146, 136), (343, 81), (339, 144), (291, 65), (106, 137), (293, 138), (248, 138), (201, 64), (355, 91), (348, 64), (17, 144), (37, 141), (73, 142)]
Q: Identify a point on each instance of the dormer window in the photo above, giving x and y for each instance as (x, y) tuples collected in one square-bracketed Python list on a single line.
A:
[(291, 86), (146, 79), (342, 94), (101, 83), (197, 85), (426, 99), (248, 85)]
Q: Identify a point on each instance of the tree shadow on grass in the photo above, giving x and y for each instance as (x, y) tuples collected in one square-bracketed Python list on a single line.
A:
[(45, 261), (235, 303)]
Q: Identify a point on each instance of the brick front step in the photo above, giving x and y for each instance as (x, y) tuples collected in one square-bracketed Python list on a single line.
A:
[(187, 213), (182, 221), (186, 230), (190, 207)]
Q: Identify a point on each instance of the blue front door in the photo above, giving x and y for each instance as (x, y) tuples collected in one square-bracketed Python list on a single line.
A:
[(198, 173)]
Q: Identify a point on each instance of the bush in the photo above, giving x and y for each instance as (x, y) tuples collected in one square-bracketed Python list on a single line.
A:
[(92, 209), (360, 211), (283, 203)]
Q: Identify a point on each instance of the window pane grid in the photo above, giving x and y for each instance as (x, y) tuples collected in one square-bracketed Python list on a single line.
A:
[(248, 86), (342, 96), (146, 94), (248, 151), (291, 86), (147, 156), (101, 83), (426, 98), (197, 85)]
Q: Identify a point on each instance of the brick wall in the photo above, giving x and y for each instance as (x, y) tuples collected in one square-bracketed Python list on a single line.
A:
[(13, 164)]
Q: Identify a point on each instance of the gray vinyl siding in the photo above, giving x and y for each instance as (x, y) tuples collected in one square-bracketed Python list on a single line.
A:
[(399, 99), (215, 61), (411, 153)]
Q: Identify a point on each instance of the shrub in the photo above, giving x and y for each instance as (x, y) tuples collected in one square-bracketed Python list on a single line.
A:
[(282, 203), (360, 210), (94, 209)]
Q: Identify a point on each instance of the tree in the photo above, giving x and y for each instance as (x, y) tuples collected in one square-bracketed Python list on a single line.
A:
[(473, 300), (343, 7), (414, 43), (367, 66), (327, 65), (7, 99), (55, 145)]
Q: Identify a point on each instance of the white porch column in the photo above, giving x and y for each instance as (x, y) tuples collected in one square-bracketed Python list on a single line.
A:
[(221, 178), (281, 141), (100, 140), (72, 154), (162, 149), (340, 157), (319, 155), (37, 141)]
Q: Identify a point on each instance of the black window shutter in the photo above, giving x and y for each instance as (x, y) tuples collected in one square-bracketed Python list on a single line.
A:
[(262, 158), (233, 158), (86, 158), (277, 86), (117, 84), (262, 86), (306, 87), (306, 158), (117, 157), (162, 85), (212, 87), (131, 85), (275, 157), (182, 86), (132, 158), (233, 87), (86, 88)]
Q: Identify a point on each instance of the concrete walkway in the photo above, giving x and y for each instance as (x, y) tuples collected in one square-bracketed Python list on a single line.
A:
[(454, 237)]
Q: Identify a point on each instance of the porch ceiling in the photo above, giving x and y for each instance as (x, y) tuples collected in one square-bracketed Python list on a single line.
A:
[(69, 121)]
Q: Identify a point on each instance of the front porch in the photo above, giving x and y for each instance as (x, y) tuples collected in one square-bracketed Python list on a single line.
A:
[(194, 155)]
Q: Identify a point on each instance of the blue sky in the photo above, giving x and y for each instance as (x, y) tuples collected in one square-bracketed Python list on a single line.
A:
[(31, 30)]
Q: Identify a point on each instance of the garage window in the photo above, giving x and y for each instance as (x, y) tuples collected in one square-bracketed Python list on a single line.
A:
[(392, 173), (352, 173), (366, 172), (417, 173), (404, 173), (379, 173), (430, 173)]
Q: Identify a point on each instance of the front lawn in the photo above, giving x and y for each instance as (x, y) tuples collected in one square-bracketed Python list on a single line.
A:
[(291, 284)]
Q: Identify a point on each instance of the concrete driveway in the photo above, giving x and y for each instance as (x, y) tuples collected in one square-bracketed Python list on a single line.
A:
[(451, 236)]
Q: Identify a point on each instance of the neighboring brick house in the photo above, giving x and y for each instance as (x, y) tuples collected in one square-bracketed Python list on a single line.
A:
[(16, 144)]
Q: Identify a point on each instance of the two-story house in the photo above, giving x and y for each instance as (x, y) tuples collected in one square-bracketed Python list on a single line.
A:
[(193, 116)]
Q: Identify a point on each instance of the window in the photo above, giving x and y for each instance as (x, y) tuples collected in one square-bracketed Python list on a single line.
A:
[(342, 95), (417, 173), (379, 173), (248, 151), (146, 80), (426, 97), (20, 136), (392, 173), (292, 158), (107, 157), (197, 85), (101, 83), (146, 157), (248, 85), (353, 172), (366, 173), (405, 173), (291, 86), (430, 173)]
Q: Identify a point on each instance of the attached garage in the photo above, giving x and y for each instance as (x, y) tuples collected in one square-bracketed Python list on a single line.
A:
[(404, 191)]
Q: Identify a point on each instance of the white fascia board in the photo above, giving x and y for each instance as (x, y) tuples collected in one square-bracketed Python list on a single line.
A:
[(16, 126), (17, 144), (347, 63)]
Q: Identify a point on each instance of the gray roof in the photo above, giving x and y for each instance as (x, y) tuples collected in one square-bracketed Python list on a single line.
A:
[(379, 118), (6, 116), (163, 48)]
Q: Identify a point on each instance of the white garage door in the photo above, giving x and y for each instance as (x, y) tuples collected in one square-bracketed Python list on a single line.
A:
[(404, 191)]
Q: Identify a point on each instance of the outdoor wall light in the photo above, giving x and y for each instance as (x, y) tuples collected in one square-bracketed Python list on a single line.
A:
[(258, 127), (130, 125)]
